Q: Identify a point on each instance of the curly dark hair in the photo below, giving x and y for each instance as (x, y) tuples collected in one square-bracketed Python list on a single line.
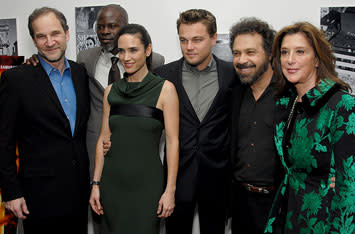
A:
[(252, 25)]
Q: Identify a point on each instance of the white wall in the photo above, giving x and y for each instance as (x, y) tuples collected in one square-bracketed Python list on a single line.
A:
[(159, 16)]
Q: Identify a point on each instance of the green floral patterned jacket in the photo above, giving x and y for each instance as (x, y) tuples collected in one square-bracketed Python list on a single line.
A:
[(319, 145)]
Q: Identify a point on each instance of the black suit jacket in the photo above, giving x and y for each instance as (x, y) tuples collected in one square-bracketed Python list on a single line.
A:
[(203, 163), (237, 95), (53, 174)]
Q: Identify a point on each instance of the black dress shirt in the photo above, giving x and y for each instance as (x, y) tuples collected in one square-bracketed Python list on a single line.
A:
[(256, 162)]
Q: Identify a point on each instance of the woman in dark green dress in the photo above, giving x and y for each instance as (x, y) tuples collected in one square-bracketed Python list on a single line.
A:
[(128, 188), (315, 138)]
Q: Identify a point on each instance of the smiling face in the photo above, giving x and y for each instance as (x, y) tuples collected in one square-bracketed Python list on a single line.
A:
[(108, 27), (249, 58), (196, 44), (50, 38), (298, 61), (132, 53)]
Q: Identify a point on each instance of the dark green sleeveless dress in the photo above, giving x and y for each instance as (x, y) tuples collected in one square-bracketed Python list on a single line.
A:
[(132, 177)]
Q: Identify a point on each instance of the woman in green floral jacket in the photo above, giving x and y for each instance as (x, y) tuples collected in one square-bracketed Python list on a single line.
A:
[(314, 137)]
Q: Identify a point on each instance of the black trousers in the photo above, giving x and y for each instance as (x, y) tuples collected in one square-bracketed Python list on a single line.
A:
[(212, 216), (250, 210), (56, 225), (96, 220)]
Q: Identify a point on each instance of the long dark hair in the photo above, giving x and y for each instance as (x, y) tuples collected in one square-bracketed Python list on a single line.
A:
[(322, 50), (143, 36)]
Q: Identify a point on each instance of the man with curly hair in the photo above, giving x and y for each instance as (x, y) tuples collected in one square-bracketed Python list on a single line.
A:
[(253, 155)]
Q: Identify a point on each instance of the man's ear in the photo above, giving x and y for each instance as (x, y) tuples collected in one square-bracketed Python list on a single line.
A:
[(34, 41), (270, 58), (67, 35), (214, 38)]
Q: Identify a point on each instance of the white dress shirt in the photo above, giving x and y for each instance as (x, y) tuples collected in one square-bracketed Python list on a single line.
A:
[(103, 67)]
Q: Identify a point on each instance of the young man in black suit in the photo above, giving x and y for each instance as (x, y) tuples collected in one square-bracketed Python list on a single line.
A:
[(204, 84), (45, 110)]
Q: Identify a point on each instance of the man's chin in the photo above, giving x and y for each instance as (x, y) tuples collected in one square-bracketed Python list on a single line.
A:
[(52, 59), (107, 48), (193, 62), (245, 79)]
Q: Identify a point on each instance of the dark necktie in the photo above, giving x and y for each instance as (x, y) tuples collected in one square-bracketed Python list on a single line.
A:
[(114, 71)]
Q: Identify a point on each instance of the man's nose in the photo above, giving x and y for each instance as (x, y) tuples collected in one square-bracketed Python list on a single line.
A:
[(190, 45)]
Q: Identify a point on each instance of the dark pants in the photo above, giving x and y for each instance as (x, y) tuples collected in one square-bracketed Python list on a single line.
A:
[(250, 210), (56, 225), (212, 215), (96, 221)]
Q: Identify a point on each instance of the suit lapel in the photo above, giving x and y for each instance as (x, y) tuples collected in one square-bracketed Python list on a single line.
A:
[(76, 83), (183, 98), (92, 62), (237, 96), (45, 85)]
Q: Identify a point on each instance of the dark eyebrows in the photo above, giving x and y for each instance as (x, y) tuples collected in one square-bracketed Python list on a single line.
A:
[(39, 35), (129, 48)]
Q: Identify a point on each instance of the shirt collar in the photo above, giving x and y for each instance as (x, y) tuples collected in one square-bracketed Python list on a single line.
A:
[(317, 93), (209, 68), (314, 99), (48, 68), (107, 54), (270, 85)]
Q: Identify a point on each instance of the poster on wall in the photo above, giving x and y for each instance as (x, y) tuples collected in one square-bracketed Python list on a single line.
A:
[(8, 222), (85, 20), (339, 28), (7, 62), (222, 48), (8, 37)]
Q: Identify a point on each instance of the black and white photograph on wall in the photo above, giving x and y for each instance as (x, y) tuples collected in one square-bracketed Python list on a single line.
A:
[(8, 37), (222, 49), (85, 21), (339, 27)]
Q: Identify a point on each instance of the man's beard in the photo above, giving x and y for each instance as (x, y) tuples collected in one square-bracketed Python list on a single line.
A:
[(254, 77), (108, 48)]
